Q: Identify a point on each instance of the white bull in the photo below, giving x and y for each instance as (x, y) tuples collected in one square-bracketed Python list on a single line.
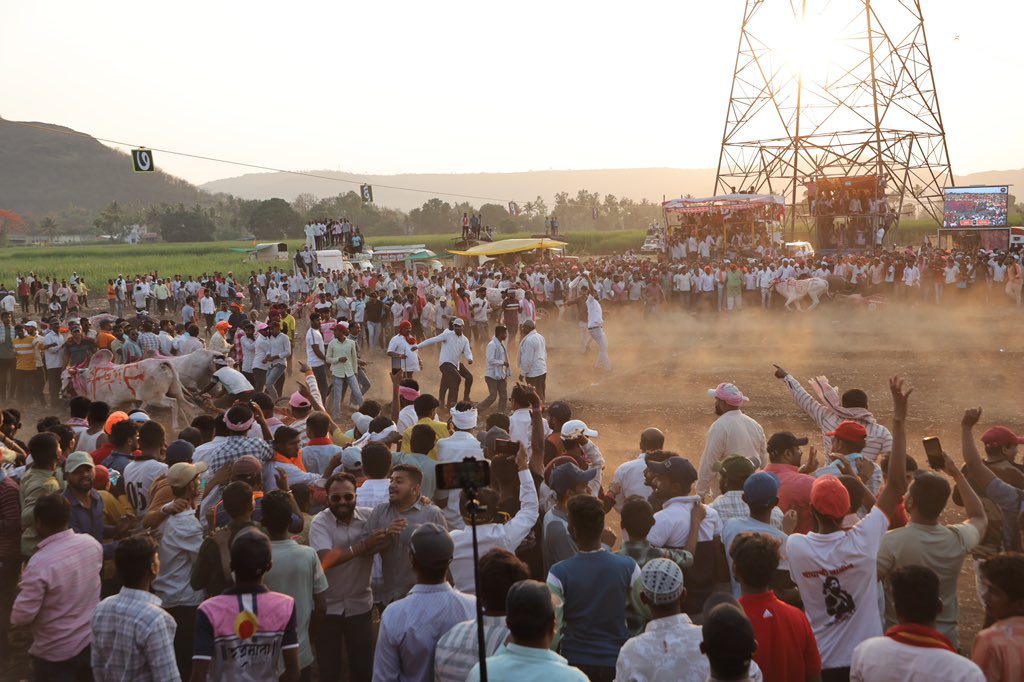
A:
[(796, 289), (496, 296), (196, 368), (153, 381)]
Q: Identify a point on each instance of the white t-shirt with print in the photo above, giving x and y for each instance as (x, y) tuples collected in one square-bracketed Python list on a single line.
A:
[(837, 576), (139, 475)]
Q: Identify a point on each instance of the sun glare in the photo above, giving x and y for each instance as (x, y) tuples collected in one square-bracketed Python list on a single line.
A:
[(809, 45)]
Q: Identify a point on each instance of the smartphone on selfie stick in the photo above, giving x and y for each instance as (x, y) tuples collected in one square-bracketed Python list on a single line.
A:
[(469, 476)]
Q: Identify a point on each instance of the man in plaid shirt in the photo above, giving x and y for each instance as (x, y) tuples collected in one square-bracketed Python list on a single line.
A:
[(133, 638), (148, 340), (239, 419)]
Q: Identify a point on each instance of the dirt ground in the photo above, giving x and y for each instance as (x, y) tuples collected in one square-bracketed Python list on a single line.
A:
[(955, 356)]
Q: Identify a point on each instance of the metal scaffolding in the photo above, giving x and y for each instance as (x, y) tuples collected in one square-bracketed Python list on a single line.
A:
[(829, 89)]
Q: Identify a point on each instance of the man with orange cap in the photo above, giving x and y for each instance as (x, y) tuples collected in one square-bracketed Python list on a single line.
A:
[(836, 570)]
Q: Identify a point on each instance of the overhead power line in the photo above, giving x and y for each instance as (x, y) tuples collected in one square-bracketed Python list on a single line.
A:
[(75, 133)]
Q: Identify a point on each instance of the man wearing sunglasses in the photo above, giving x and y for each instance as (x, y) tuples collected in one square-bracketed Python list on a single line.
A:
[(345, 547)]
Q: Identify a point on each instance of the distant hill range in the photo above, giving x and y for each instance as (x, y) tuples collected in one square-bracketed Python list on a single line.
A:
[(633, 183), (42, 171), (45, 171)]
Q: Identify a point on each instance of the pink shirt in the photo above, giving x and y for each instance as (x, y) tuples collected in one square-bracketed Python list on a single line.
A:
[(794, 493), (60, 589)]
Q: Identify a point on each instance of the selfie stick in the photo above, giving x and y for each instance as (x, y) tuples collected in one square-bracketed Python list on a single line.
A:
[(473, 507)]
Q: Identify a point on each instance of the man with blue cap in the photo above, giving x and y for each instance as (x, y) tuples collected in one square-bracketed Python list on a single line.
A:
[(761, 494)]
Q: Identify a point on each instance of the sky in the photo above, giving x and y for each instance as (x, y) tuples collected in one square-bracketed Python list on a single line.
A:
[(450, 86)]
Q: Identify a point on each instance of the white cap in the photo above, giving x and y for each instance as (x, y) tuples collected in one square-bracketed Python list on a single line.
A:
[(574, 428)]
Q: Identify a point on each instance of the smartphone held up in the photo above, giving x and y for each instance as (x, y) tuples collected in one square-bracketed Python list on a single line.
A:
[(933, 450)]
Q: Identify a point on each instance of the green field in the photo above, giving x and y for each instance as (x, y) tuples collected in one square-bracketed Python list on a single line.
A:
[(99, 262)]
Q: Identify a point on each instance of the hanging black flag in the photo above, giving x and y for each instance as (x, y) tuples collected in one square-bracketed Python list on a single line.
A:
[(142, 161), (366, 191)]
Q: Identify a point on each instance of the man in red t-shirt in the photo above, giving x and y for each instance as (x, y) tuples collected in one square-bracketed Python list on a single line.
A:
[(786, 648)]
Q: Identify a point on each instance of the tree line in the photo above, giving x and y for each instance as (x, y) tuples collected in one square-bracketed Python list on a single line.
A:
[(228, 217)]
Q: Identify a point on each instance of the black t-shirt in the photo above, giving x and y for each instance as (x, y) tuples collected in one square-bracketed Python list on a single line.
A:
[(374, 310)]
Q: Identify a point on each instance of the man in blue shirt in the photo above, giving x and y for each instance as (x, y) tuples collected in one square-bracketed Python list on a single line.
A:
[(530, 616), (594, 586)]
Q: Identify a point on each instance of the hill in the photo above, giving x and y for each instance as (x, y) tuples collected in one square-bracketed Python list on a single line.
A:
[(43, 172), (632, 183)]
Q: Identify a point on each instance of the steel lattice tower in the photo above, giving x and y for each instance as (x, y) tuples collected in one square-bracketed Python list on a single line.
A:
[(834, 88)]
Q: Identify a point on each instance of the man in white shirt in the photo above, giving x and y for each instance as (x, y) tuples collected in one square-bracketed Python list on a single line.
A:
[(316, 353), (53, 358), (498, 371), (142, 470), (766, 282), (181, 536), (911, 275), (595, 326), (669, 647), (673, 482), (836, 569), (733, 433), (279, 349), (630, 480), (913, 650), (208, 308), (493, 535), (533, 357), (480, 309), (454, 346)]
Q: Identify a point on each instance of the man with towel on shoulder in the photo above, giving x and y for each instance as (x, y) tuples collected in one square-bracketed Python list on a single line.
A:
[(829, 410)]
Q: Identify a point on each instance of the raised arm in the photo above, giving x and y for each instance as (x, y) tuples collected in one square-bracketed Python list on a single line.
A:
[(896, 483), (432, 340), (804, 400), (972, 503), (976, 469)]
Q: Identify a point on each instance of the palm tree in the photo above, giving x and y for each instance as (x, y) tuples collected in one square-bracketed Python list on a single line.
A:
[(49, 228)]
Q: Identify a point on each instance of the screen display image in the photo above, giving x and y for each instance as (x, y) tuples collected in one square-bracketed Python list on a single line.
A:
[(975, 206)]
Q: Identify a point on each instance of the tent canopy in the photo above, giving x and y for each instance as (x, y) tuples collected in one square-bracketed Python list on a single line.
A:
[(506, 246), (724, 202)]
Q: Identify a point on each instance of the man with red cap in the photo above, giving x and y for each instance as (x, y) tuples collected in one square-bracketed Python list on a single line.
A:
[(994, 477), (403, 358), (836, 570), (847, 442), (733, 433)]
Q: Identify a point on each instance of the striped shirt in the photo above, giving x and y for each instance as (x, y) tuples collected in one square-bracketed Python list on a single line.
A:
[(133, 639), (25, 352), (730, 505), (879, 439), (456, 652)]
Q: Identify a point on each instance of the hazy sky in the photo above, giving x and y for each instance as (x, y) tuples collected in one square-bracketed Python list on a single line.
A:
[(449, 86)]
